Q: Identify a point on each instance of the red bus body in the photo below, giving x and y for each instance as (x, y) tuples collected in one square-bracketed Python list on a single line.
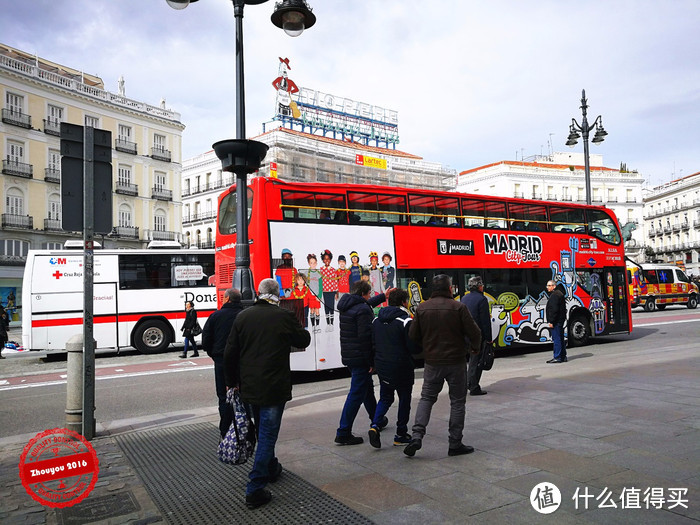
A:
[(515, 245)]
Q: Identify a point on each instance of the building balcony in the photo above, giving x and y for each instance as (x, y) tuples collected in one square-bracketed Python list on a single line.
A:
[(23, 222), (161, 194), (125, 232), (612, 199), (651, 233), (685, 225), (203, 216), (566, 198), (160, 154), (16, 118), (667, 229), (537, 196), (125, 188), (551, 197), (52, 127), (53, 225), (598, 200), (18, 169), (125, 146), (52, 175), (696, 223), (205, 245), (676, 227), (518, 194), (631, 200), (158, 235)]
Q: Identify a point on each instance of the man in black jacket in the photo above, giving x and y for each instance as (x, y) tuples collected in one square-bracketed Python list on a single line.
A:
[(395, 366), (478, 307), (442, 327), (356, 317), (256, 361), (556, 317), (214, 336)]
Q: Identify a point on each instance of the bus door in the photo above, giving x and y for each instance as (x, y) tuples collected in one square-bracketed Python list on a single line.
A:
[(106, 320), (616, 299)]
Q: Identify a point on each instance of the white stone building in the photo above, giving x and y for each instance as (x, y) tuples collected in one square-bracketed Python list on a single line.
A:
[(561, 177), (672, 222)]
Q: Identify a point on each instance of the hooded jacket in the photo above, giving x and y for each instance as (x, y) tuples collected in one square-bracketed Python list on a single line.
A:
[(356, 317), (393, 347)]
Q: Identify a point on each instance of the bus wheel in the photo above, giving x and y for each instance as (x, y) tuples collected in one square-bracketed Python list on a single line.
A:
[(660, 306), (693, 302), (650, 305), (579, 331), (151, 337)]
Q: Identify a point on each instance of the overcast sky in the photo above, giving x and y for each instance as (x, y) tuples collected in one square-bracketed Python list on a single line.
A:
[(473, 82)]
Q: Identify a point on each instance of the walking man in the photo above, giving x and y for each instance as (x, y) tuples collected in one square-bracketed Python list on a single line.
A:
[(442, 326), (478, 307), (256, 361), (214, 336), (556, 317)]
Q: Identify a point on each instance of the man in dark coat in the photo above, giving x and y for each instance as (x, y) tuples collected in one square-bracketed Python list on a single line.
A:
[(394, 365), (556, 317), (478, 307), (356, 317), (4, 325), (256, 361), (442, 327), (214, 336)]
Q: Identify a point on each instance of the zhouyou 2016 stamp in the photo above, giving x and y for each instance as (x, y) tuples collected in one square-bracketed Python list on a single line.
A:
[(58, 468)]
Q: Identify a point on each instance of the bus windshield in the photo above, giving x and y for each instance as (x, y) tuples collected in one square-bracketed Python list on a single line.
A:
[(227, 212)]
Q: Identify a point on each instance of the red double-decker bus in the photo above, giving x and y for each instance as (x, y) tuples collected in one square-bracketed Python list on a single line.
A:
[(515, 245)]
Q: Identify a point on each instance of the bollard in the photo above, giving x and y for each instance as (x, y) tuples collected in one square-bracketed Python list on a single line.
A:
[(74, 384)]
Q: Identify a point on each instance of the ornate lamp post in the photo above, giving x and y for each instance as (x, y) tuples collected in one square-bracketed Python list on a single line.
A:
[(240, 155), (584, 129)]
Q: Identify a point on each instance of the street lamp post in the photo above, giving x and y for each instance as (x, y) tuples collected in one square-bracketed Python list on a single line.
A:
[(240, 155), (584, 129)]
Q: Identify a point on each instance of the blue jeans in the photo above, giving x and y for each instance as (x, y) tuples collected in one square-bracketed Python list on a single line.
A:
[(189, 339), (386, 399), (559, 341), (361, 392), (267, 420), (225, 409)]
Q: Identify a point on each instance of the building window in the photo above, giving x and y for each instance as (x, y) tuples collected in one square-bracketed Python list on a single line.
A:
[(55, 115), (14, 248), (159, 221), (14, 202), (124, 216), (14, 103), (159, 142), (51, 246), (124, 175), (15, 151), (54, 160), (54, 206), (160, 180), (124, 132), (92, 122)]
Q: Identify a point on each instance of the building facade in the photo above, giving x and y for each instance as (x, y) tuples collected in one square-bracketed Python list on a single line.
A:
[(561, 177), (672, 223), (302, 157), (37, 95)]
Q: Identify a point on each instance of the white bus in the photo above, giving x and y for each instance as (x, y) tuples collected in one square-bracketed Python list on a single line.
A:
[(139, 297)]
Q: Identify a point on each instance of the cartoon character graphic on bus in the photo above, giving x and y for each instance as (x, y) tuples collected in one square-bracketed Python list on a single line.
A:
[(301, 291), (313, 277), (329, 277), (343, 277), (375, 275), (566, 276), (388, 271), (355, 268), (597, 306), (533, 327), (285, 272)]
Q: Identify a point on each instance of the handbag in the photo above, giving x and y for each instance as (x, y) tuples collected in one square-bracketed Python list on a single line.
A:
[(239, 442), (196, 329), (488, 354)]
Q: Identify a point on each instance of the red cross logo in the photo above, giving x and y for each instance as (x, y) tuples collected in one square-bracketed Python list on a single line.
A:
[(57, 275)]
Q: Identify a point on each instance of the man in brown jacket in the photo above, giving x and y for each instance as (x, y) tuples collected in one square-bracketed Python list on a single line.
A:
[(442, 326)]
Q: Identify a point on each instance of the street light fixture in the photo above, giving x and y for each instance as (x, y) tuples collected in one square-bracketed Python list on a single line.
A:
[(240, 155), (584, 129)]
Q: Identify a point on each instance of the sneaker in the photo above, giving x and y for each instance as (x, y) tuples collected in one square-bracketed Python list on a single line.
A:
[(258, 498), (564, 359), (183, 356), (552, 361), (460, 450), (276, 474), (382, 425), (374, 439), (348, 440), (196, 354), (413, 445), (401, 440), (478, 392)]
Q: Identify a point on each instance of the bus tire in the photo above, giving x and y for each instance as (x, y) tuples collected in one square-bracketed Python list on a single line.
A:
[(151, 337), (660, 306), (692, 302), (579, 331), (650, 305)]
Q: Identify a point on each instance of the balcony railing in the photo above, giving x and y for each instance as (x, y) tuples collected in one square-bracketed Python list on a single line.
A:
[(126, 232), (566, 198), (685, 225), (160, 154), (631, 199), (225, 183), (125, 146), (158, 235), (18, 169), (651, 233), (52, 175), (161, 194), (10, 220), (676, 227), (518, 194), (204, 245), (126, 188), (16, 118), (696, 223), (52, 225), (612, 199), (52, 127), (551, 197), (207, 215), (537, 196)]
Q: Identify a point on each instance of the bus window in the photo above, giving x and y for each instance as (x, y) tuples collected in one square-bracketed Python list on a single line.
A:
[(434, 211), (370, 208), (496, 214), (650, 277), (567, 220), (473, 213), (527, 217), (602, 226), (665, 276), (309, 206), (681, 277), (227, 212)]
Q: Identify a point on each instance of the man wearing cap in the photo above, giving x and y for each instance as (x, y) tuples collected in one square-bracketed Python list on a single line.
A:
[(478, 307), (285, 272)]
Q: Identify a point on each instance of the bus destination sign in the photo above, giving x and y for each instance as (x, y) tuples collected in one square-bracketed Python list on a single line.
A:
[(455, 247)]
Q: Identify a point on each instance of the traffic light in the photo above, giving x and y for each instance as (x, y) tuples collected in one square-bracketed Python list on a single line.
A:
[(72, 162)]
